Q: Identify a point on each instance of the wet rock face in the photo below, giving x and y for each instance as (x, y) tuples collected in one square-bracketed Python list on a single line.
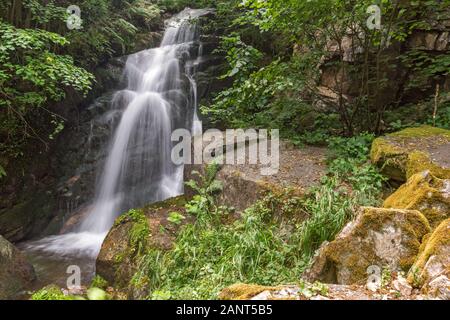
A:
[(426, 193), (413, 150), (381, 238), (56, 183), (16, 273), (133, 235), (431, 270)]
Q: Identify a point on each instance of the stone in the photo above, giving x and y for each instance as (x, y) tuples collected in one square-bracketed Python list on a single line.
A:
[(433, 260), (401, 284), (442, 41), (16, 274), (265, 295), (402, 154), (243, 185), (439, 288), (426, 193), (241, 291), (378, 237), (134, 234)]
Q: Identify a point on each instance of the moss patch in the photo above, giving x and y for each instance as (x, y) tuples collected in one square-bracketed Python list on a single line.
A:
[(436, 246), (410, 151), (423, 192), (134, 234), (241, 291)]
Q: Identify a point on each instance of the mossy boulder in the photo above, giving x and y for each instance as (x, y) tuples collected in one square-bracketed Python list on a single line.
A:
[(134, 234), (426, 193), (16, 274), (386, 238), (242, 291), (431, 271), (413, 150)]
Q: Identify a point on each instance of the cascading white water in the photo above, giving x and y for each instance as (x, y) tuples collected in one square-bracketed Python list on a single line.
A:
[(161, 96)]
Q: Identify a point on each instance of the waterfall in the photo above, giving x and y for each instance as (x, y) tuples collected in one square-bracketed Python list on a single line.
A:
[(161, 96)]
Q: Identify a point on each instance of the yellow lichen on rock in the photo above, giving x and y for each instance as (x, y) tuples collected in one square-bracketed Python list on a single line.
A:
[(242, 291), (433, 260), (426, 193), (413, 150)]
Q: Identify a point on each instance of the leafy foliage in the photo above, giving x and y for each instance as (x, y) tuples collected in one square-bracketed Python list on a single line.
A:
[(32, 76), (40, 60)]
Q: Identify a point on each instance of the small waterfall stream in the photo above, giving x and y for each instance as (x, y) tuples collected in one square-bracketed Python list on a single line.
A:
[(161, 96)]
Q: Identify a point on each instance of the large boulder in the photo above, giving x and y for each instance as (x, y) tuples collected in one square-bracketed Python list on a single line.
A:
[(431, 271), (413, 150), (243, 185), (426, 193), (16, 273), (377, 238), (133, 235)]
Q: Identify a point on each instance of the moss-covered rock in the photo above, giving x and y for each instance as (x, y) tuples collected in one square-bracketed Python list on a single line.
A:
[(386, 238), (16, 273), (432, 266), (413, 150), (426, 193), (241, 291), (133, 234)]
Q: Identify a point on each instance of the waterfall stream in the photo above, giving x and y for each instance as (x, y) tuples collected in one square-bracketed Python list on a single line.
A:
[(161, 96)]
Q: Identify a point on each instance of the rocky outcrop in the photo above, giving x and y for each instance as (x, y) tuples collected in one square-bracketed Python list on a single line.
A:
[(426, 193), (16, 273), (431, 271), (243, 185), (133, 235), (342, 64), (429, 40), (377, 238), (402, 154)]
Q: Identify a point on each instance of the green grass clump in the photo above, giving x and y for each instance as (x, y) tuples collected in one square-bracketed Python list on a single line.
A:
[(51, 293), (99, 282)]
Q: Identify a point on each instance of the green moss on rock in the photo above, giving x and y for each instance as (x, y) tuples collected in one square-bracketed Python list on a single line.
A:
[(426, 193), (132, 236), (241, 291), (434, 257), (413, 150), (387, 238)]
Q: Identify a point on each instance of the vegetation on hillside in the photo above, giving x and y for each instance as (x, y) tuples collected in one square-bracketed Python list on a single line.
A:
[(314, 69)]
